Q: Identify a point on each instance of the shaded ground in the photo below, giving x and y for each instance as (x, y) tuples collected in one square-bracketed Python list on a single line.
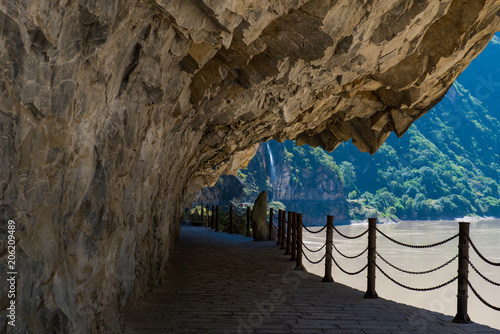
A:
[(222, 283)]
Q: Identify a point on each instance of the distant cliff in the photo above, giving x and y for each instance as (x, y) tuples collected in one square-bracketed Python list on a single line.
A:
[(295, 175)]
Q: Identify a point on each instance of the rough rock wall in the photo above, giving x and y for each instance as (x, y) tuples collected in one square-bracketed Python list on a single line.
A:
[(114, 113)]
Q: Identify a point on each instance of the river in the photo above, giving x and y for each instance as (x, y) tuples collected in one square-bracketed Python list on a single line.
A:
[(484, 233)]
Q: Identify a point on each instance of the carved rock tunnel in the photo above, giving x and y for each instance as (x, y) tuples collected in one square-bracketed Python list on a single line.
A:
[(113, 114)]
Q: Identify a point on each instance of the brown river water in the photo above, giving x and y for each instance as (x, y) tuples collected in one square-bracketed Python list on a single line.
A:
[(484, 233)]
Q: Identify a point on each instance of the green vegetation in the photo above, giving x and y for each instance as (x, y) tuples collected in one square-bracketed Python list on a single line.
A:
[(446, 165), (300, 170)]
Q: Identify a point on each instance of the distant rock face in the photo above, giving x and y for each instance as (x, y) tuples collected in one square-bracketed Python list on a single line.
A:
[(258, 218), (114, 113)]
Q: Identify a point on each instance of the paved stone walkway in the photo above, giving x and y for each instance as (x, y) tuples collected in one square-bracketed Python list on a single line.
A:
[(222, 283)]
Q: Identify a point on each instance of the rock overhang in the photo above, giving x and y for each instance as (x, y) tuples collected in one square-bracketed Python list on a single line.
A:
[(115, 113)]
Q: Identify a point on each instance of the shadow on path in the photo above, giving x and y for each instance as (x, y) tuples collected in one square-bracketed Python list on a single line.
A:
[(222, 283)]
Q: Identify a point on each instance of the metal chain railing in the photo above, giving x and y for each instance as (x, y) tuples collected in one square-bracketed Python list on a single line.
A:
[(418, 246), (496, 264), (348, 236), (314, 262), (313, 251), (418, 272), (240, 223), (314, 232), (242, 215), (347, 272), (350, 256), (482, 276), (496, 308), (293, 227), (224, 214), (416, 289)]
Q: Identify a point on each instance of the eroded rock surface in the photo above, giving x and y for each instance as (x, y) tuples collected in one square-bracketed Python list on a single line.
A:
[(114, 113)]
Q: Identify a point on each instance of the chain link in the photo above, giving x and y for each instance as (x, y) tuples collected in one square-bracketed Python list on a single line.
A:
[(418, 246), (481, 255), (347, 256), (239, 215), (313, 251), (349, 237), (416, 289), (481, 298), (314, 262), (223, 219), (314, 232), (484, 277), (347, 272), (417, 272), (240, 224)]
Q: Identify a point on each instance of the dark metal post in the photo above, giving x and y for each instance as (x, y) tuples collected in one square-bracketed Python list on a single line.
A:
[(248, 221), (216, 217), (283, 229), (299, 265), (329, 247), (213, 217), (278, 242), (294, 237), (201, 214), (230, 219), (463, 273), (271, 225), (288, 250), (372, 246)]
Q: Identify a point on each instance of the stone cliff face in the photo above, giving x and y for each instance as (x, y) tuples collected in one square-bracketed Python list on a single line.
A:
[(311, 188), (114, 113)]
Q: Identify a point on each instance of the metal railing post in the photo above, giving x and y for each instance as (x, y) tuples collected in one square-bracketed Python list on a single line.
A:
[(201, 214), (463, 273), (294, 237), (299, 265), (329, 247), (372, 247), (271, 213), (231, 219), (283, 229), (248, 221), (216, 217), (288, 250), (278, 242)]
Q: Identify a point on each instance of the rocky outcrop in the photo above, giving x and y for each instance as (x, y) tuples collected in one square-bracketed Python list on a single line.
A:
[(114, 113), (259, 218)]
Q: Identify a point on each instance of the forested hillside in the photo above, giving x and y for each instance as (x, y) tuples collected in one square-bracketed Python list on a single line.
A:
[(447, 165)]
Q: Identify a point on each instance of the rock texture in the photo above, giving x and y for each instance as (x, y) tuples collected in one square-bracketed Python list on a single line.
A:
[(258, 218), (114, 113)]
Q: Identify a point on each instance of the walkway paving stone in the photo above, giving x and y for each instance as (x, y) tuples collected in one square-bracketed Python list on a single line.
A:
[(222, 283)]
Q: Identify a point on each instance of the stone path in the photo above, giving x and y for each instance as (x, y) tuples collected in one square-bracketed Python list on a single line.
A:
[(222, 283)]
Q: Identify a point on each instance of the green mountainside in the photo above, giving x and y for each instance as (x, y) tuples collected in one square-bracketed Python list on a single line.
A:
[(447, 165)]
